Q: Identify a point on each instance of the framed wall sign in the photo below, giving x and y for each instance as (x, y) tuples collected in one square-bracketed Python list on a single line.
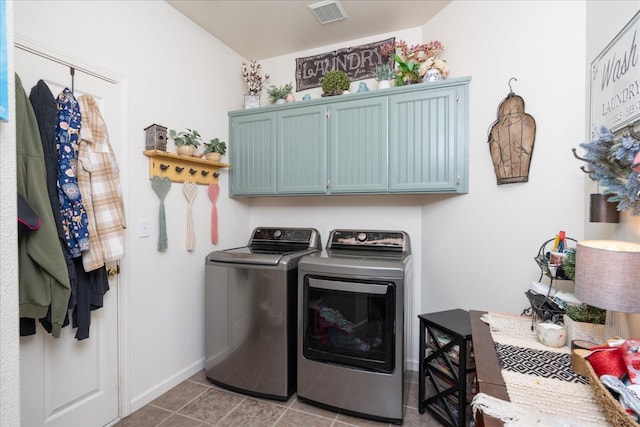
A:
[(359, 62), (615, 81)]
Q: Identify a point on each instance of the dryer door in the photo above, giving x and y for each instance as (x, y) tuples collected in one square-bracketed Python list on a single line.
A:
[(349, 323)]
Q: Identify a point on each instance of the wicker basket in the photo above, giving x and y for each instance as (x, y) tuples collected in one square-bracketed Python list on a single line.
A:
[(613, 409)]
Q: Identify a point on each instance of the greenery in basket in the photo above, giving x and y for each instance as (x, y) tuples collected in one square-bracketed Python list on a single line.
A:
[(383, 72), (335, 82), (190, 137), (281, 92), (569, 264), (585, 313), (215, 146)]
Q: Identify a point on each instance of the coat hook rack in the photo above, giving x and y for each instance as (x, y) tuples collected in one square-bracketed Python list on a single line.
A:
[(183, 168)]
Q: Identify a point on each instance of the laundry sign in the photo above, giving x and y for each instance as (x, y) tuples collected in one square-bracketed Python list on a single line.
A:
[(359, 62), (615, 81)]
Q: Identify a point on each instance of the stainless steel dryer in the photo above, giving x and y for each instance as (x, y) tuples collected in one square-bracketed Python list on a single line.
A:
[(351, 324), (251, 296)]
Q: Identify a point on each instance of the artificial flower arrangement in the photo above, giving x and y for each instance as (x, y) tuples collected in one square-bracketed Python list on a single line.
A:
[(252, 77), (414, 61), (615, 163)]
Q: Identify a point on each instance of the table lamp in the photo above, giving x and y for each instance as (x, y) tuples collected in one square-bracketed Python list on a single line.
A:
[(608, 277)]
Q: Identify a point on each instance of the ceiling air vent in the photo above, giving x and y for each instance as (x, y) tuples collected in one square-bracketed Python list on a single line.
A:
[(328, 11)]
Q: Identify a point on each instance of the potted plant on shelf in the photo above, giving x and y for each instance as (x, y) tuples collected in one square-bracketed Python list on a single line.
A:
[(335, 82), (278, 95), (186, 142), (384, 75), (215, 149)]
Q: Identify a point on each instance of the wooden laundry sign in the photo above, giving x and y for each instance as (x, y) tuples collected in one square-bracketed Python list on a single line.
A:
[(359, 62)]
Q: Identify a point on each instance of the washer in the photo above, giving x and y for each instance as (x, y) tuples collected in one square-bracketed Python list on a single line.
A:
[(351, 324), (251, 296)]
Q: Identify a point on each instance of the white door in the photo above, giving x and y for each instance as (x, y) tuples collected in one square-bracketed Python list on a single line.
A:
[(65, 382)]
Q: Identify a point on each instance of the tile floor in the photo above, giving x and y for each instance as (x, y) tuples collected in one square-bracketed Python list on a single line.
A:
[(196, 402)]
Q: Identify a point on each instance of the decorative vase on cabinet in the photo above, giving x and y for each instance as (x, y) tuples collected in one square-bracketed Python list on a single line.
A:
[(251, 100), (432, 75)]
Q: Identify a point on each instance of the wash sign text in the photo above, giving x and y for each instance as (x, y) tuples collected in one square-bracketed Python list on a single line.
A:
[(615, 81)]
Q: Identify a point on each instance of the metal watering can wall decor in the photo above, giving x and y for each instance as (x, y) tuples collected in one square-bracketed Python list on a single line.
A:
[(511, 139)]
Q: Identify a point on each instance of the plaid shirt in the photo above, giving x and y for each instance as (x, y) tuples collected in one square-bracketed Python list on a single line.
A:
[(99, 180)]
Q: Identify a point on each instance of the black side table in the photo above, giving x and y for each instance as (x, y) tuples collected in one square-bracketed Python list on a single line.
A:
[(450, 366)]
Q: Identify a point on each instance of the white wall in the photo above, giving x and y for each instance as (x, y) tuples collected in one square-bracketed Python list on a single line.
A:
[(179, 76)]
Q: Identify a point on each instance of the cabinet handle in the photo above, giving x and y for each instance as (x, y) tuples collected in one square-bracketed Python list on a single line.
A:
[(458, 99), (328, 184)]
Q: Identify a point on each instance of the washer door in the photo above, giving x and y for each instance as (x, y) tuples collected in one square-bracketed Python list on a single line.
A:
[(349, 323)]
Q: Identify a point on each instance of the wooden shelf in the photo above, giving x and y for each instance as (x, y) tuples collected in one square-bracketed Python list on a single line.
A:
[(183, 168)]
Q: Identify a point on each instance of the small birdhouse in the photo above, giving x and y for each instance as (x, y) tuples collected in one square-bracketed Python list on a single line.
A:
[(156, 137)]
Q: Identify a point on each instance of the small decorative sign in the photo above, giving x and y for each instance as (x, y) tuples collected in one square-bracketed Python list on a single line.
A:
[(615, 81), (359, 62)]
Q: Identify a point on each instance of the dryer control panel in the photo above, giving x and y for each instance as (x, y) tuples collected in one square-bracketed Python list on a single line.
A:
[(369, 239)]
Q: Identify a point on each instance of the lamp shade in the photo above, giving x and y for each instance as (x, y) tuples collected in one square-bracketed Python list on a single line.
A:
[(608, 274)]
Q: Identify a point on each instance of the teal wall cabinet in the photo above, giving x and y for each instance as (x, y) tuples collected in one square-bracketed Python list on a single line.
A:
[(302, 150), (254, 148), (410, 139), (358, 136), (428, 146)]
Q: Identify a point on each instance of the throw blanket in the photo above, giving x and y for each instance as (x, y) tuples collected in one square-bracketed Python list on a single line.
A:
[(542, 387)]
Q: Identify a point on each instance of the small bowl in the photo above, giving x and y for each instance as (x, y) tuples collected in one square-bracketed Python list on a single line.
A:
[(551, 335)]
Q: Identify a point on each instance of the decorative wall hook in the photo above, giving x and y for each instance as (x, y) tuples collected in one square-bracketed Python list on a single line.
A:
[(511, 90), (204, 173), (192, 171), (164, 167), (582, 168), (216, 174), (179, 169)]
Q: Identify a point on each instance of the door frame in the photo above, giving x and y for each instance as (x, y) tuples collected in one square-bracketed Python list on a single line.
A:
[(30, 45)]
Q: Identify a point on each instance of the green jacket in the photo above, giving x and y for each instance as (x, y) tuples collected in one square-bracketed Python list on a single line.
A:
[(42, 269)]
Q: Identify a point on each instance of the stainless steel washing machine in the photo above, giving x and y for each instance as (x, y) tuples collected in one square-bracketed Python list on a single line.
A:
[(353, 308), (251, 296)]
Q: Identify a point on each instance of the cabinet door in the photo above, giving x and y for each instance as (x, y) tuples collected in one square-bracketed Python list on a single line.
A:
[(252, 154), (302, 148), (358, 136), (427, 143)]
